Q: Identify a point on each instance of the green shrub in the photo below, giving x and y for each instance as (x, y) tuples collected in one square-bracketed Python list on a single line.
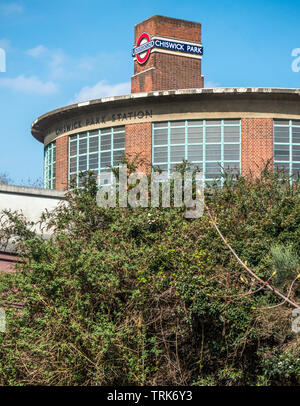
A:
[(285, 262), (115, 299)]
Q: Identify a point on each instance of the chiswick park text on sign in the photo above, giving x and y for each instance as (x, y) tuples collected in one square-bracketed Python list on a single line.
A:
[(179, 46), (145, 44)]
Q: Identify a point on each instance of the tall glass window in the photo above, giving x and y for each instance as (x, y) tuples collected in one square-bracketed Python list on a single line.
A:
[(49, 166), (287, 146), (95, 150), (212, 145)]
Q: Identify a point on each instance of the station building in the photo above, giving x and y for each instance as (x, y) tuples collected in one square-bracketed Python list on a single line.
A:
[(169, 116)]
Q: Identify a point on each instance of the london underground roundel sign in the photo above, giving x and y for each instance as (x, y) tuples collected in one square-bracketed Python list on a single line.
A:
[(143, 47)]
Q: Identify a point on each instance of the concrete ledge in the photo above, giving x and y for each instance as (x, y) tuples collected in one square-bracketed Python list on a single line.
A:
[(30, 191)]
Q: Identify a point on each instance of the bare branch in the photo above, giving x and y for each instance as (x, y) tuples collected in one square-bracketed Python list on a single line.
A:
[(261, 281)]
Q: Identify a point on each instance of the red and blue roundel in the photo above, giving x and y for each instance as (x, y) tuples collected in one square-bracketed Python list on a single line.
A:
[(143, 47)]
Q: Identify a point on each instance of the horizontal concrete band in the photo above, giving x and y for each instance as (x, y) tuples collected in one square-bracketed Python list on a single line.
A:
[(168, 105), (31, 192)]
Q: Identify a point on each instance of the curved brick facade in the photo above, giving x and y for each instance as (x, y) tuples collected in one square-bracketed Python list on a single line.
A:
[(255, 108)]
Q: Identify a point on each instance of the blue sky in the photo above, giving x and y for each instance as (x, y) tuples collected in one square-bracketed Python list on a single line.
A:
[(61, 51)]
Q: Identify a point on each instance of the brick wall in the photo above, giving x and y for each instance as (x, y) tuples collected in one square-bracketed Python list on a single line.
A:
[(170, 72), (138, 140), (62, 147), (166, 71), (8, 262), (256, 144)]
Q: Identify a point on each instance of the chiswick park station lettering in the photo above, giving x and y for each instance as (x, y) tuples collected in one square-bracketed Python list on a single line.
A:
[(102, 119)]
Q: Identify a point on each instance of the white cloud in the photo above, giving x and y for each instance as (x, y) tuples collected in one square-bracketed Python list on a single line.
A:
[(37, 51), (57, 63), (30, 84), (210, 85), (54, 58), (101, 89), (60, 66), (11, 8), (5, 44)]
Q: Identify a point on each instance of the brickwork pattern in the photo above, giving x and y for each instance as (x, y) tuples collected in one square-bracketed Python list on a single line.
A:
[(171, 72), (138, 140), (62, 147), (256, 144), (8, 262)]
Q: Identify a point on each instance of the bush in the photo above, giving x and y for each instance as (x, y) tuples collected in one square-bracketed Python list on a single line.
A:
[(285, 262), (116, 299)]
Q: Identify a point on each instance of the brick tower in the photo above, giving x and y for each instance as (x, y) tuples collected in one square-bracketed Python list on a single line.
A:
[(167, 55)]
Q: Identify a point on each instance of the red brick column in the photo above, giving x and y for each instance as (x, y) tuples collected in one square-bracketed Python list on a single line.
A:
[(256, 144), (138, 140), (168, 71), (62, 147)]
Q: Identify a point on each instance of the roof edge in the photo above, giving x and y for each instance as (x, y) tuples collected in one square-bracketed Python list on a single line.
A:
[(162, 93)]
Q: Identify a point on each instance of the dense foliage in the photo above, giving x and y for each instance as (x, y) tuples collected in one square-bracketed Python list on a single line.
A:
[(144, 296)]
